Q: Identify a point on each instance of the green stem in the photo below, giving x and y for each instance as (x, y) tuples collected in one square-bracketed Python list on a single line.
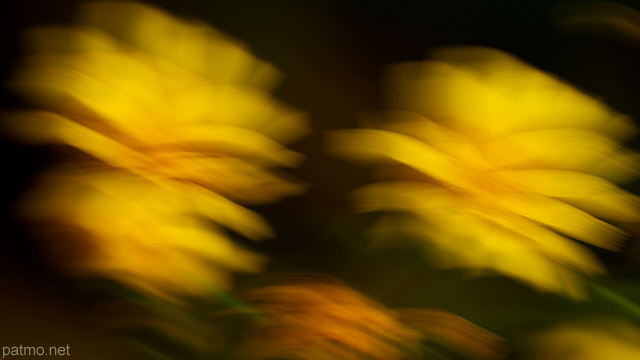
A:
[(616, 298), (235, 303)]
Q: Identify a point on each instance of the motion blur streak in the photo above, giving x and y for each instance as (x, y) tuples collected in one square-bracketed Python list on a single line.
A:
[(167, 124), (305, 316), (590, 339), (602, 18), (500, 166)]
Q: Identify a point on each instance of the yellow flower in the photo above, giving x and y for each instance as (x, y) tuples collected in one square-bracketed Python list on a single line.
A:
[(500, 165), (172, 124), (164, 241), (306, 316), (159, 97), (314, 318), (586, 339)]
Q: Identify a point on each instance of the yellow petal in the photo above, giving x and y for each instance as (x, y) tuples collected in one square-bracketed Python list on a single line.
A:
[(565, 219), (385, 146), (590, 193), (189, 44)]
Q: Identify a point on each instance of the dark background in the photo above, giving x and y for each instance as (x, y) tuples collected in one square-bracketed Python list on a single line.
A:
[(332, 54)]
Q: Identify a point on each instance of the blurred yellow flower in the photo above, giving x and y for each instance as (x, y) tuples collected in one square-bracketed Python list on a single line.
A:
[(306, 316), (161, 98), (315, 319), (500, 164), (165, 241), (455, 332), (590, 339), (172, 125)]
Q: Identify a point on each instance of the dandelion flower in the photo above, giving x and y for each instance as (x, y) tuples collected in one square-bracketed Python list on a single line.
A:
[(502, 167)]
